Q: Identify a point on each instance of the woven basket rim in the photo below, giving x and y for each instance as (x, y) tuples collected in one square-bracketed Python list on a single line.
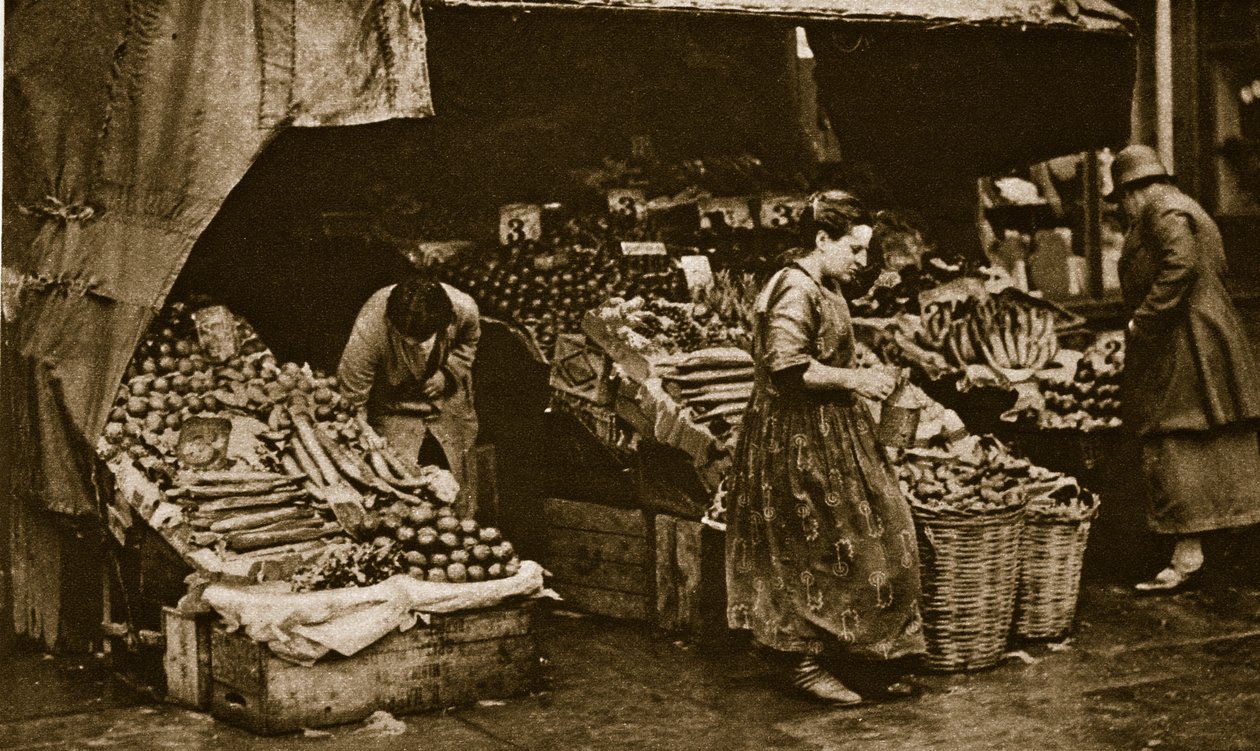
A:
[(1002, 517), (1061, 514)]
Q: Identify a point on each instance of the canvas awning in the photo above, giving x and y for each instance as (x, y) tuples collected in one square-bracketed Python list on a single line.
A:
[(967, 85)]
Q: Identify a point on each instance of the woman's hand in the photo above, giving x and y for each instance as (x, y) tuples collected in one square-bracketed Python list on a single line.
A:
[(873, 383)]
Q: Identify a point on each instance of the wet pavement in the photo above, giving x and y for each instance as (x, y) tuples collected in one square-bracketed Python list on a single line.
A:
[(1177, 673)]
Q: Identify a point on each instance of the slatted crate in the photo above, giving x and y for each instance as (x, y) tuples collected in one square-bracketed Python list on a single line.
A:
[(601, 558), (457, 658)]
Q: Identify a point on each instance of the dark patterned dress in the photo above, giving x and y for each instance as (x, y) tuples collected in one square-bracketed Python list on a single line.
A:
[(820, 545)]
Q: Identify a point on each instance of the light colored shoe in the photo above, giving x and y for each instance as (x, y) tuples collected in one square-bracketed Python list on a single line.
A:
[(816, 681), (1168, 581)]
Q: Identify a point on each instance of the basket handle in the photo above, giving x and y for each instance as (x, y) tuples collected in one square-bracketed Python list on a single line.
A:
[(927, 553)]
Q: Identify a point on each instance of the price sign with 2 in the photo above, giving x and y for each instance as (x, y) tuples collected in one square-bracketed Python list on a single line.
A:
[(628, 202), (782, 211), (519, 222), (731, 212)]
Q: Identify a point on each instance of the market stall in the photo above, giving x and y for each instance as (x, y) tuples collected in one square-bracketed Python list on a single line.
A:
[(631, 283)]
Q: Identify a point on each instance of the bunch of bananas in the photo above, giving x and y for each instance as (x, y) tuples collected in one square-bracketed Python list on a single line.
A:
[(994, 331)]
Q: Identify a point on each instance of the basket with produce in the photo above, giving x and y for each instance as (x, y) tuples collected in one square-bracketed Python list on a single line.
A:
[(1053, 552), (969, 544)]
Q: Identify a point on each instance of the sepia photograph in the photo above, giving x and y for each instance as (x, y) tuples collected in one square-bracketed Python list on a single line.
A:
[(729, 375)]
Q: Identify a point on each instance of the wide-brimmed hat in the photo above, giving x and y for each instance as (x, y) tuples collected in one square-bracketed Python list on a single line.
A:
[(1134, 164)]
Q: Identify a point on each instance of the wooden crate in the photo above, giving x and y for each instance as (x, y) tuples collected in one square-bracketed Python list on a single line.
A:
[(186, 658), (600, 557), (690, 577), (456, 659)]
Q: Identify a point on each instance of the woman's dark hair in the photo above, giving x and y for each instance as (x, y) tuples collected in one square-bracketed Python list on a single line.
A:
[(832, 211), (418, 307)]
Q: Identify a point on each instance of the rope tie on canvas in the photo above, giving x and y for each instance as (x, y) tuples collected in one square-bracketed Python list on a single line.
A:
[(54, 208)]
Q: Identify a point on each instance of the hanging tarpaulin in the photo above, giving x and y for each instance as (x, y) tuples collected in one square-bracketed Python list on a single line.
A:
[(127, 124), (996, 85)]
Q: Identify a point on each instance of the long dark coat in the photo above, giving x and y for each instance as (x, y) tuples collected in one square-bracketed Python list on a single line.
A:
[(1188, 365)]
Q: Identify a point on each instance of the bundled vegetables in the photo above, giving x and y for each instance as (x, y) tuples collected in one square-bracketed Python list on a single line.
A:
[(351, 565), (996, 331), (732, 297), (248, 510)]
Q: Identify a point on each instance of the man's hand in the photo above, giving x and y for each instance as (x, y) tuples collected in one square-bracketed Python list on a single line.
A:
[(435, 386)]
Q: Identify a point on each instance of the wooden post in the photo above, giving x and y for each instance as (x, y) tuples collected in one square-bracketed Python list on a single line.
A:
[(681, 589), (35, 575)]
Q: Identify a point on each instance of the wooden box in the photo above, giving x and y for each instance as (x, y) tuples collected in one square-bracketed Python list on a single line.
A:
[(186, 658), (457, 659), (600, 557), (690, 577), (580, 368)]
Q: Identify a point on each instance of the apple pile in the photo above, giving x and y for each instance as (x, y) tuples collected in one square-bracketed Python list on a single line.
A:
[(438, 547), (171, 377), (1091, 399)]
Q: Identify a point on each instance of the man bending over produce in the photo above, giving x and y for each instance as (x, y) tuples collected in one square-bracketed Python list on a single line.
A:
[(409, 364)]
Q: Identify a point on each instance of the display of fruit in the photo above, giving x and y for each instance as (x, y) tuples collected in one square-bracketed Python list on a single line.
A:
[(1091, 399), (171, 377), (547, 289), (672, 327), (998, 331), (440, 547)]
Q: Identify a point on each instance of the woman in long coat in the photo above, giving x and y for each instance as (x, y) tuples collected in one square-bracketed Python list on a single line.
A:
[(821, 552), (1191, 389)]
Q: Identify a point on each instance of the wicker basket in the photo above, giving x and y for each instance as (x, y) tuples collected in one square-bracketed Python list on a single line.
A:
[(1053, 552), (970, 568)]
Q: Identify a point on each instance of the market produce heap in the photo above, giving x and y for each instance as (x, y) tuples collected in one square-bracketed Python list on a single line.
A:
[(292, 471)]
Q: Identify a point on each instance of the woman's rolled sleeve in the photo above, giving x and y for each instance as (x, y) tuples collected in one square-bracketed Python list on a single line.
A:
[(792, 323)]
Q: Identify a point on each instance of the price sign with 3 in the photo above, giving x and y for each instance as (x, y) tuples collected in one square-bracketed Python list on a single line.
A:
[(731, 212), (519, 222), (629, 202), (781, 211)]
